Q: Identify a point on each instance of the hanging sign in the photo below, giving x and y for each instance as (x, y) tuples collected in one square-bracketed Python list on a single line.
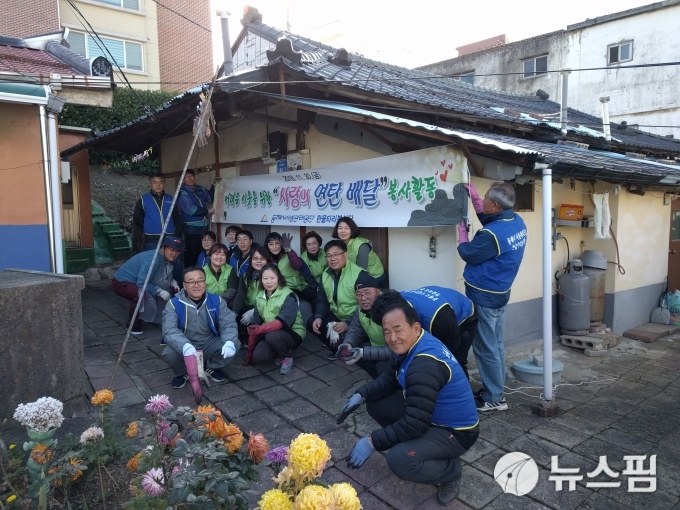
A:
[(418, 188)]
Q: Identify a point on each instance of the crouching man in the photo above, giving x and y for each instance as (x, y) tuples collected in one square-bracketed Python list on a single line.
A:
[(432, 421), (194, 321)]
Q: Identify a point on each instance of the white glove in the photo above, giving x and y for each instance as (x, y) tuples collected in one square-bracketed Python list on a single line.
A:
[(164, 294), (332, 335), (188, 350), (174, 286), (247, 317), (228, 349)]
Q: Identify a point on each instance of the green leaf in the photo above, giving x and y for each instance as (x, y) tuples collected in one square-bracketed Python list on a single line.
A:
[(222, 490)]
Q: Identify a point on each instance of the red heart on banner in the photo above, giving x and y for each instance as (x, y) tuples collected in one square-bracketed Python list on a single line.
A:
[(444, 175), (450, 166), (443, 162)]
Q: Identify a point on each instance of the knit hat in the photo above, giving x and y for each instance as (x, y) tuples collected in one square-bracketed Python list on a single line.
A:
[(173, 242), (366, 281)]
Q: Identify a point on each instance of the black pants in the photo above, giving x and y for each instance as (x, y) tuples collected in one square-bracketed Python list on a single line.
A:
[(431, 459), (373, 368), (192, 248), (276, 343), (457, 339)]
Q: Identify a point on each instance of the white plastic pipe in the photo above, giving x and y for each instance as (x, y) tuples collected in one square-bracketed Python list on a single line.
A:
[(565, 93), (547, 284), (45, 146), (55, 191), (606, 128)]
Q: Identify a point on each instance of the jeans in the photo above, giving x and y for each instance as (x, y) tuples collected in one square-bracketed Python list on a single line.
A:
[(490, 352)]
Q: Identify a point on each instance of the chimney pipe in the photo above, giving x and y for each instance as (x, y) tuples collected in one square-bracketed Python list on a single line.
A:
[(606, 128), (226, 43), (565, 91)]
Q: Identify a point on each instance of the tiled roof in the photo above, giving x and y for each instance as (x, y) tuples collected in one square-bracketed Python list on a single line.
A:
[(27, 60), (423, 88)]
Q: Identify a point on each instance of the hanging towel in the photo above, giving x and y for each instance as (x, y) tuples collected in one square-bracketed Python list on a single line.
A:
[(602, 215)]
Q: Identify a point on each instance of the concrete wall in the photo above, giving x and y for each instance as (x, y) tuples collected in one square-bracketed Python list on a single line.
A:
[(41, 333), (23, 214)]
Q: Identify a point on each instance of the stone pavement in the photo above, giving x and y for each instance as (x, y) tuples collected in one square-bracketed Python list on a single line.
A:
[(627, 405)]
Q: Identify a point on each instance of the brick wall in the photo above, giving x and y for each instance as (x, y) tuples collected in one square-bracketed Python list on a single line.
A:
[(29, 18), (185, 49)]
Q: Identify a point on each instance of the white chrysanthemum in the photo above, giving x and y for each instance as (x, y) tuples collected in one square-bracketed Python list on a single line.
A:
[(91, 434), (43, 414)]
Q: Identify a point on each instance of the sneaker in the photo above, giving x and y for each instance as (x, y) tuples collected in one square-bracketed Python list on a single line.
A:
[(136, 329), (286, 366), (333, 356), (215, 375), (483, 407), (478, 395), (448, 492), (179, 382)]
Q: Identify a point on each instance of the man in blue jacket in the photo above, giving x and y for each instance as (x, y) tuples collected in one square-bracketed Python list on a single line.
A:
[(492, 260), (193, 204), (423, 404), (129, 280)]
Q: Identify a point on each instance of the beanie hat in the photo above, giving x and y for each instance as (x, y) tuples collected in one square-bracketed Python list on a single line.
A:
[(366, 281)]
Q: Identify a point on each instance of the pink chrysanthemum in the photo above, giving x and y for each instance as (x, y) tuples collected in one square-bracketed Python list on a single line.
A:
[(157, 404), (161, 428), (152, 482)]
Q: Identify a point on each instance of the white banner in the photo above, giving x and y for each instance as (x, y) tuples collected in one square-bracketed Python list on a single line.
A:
[(418, 188)]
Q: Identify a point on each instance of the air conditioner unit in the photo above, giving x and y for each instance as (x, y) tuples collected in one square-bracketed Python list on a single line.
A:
[(265, 150)]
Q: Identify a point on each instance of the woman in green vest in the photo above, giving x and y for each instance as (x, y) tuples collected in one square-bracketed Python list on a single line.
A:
[(220, 277), (315, 258), (277, 326), (359, 249), (284, 256), (249, 283)]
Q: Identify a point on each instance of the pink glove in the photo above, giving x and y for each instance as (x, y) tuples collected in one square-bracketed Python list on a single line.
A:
[(253, 329), (477, 201), (252, 342), (192, 374), (463, 233), (266, 328)]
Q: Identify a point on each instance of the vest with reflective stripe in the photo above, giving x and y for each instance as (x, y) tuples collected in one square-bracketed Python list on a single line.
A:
[(428, 301), (347, 301), (375, 267), (455, 405), (199, 201), (270, 308), (154, 216), (212, 309)]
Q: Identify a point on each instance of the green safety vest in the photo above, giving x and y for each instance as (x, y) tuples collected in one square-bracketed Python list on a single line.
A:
[(292, 275), (269, 308), (214, 285), (375, 267), (318, 266), (373, 330), (251, 295), (347, 301)]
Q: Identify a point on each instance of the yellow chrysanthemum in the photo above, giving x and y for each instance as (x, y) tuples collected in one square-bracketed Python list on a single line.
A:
[(41, 454), (11, 498), (284, 478), (132, 430), (257, 447), (345, 497), (76, 464), (11, 447), (233, 438), (308, 455), (102, 398), (134, 462), (314, 497), (275, 499)]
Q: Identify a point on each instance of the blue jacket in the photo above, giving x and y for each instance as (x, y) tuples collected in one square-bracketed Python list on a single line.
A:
[(212, 311), (493, 258), (154, 216), (193, 204), (136, 268), (428, 301), (455, 405)]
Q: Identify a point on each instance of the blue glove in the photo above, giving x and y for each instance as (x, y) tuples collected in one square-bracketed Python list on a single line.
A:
[(352, 403), (360, 454)]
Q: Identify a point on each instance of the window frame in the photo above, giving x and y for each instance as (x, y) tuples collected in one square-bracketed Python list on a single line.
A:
[(618, 46), (535, 73), (121, 6), (469, 75), (124, 43)]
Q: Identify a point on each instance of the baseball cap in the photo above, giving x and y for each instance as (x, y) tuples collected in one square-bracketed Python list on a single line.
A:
[(173, 242)]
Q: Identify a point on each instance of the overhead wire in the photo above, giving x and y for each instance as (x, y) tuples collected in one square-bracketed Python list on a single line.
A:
[(182, 16)]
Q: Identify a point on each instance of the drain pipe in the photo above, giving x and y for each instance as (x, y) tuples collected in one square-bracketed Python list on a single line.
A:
[(565, 91), (48, 187), (55, 189), (606, 128), (226, 43), (547, 279)]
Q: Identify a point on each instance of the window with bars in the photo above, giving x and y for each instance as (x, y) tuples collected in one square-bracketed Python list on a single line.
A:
[(126, 54), (536, 66), (618, 53), (125, 4)]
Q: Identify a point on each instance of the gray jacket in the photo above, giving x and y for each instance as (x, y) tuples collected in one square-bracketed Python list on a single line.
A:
[(197, 331)]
